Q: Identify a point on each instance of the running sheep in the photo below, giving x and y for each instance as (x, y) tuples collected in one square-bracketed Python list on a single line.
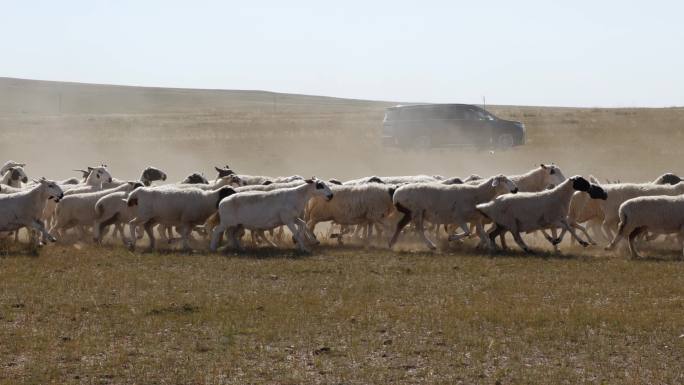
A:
[(446, 204), (265, 210), (526, 212)]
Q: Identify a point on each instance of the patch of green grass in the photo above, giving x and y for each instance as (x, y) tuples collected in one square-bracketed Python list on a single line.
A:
[(338, 316)]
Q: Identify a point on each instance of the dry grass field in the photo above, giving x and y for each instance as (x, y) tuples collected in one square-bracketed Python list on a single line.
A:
[(342, 315)]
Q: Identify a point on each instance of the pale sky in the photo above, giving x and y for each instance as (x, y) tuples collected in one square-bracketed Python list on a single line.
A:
[(582, 53)]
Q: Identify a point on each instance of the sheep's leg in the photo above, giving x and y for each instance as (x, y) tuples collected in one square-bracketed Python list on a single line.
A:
[(584, 231), (564, 224), (310, 236), (484, 239), (297, 235), (369, 233), (185, 231), (235, 237), (401, 224), (495, 231), (632, 236), (421, 231), (37, 225), (261, 236), (216, 236), (518, 239), (150, 233), (466, 232), (607, 229)]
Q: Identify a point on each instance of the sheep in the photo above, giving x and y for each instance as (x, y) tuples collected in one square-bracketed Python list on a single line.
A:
[(14, 177), (256, 179), (525, 212), (194, 178), (112, 209), (537, 179), (9, 164), (454, 180), (667, 178), (25, 208), (78, 209), (264, 210), (446, 204), (367, 204), (396, 180), (147, 177), (229, 180), (584, 209), (94, 181), (621, 192), (182, 207), (661, 214)]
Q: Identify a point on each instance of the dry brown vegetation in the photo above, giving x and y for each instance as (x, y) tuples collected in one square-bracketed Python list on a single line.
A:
[(342, 315)]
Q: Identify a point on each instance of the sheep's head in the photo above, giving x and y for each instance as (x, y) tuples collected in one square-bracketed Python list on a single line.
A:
[(195, 178), (552, 174), (594, 191), (472, 177), (53, 191), (100, 174), (454, 180), (233, 180), (503, 185), (320, 188), (152, 174), (668, 178), (223, 171), (18, 174)]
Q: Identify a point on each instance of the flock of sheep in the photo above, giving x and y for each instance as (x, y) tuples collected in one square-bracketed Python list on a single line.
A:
[(541, 200)]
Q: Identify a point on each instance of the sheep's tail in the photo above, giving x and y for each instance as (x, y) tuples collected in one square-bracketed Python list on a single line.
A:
[(132, 199), (481, 209), (623, 223), (99, 210), (391, 191)]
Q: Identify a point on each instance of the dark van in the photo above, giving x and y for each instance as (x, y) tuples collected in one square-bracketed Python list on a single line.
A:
[(445, 125)]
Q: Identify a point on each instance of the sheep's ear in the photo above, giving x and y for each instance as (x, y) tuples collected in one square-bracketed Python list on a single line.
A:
[(90, 168), (495, 182), (543, 166), (308, 180), (593, 179)]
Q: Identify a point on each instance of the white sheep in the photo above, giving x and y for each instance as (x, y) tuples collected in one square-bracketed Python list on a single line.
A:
[(526, 212), (657, 214), (25, 208), (97, 177), (148, 176), (265, 210), (395, 180), (9, 164), (181, 207), (78, 209), (446, 204), (621, 192), (364, 204), (14, 177)]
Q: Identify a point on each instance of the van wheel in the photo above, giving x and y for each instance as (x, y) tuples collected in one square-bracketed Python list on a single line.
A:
[(504, 141), (423, 142)]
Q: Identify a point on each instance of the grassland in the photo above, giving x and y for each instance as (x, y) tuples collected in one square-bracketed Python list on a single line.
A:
[(85, 315), (350, 316)]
